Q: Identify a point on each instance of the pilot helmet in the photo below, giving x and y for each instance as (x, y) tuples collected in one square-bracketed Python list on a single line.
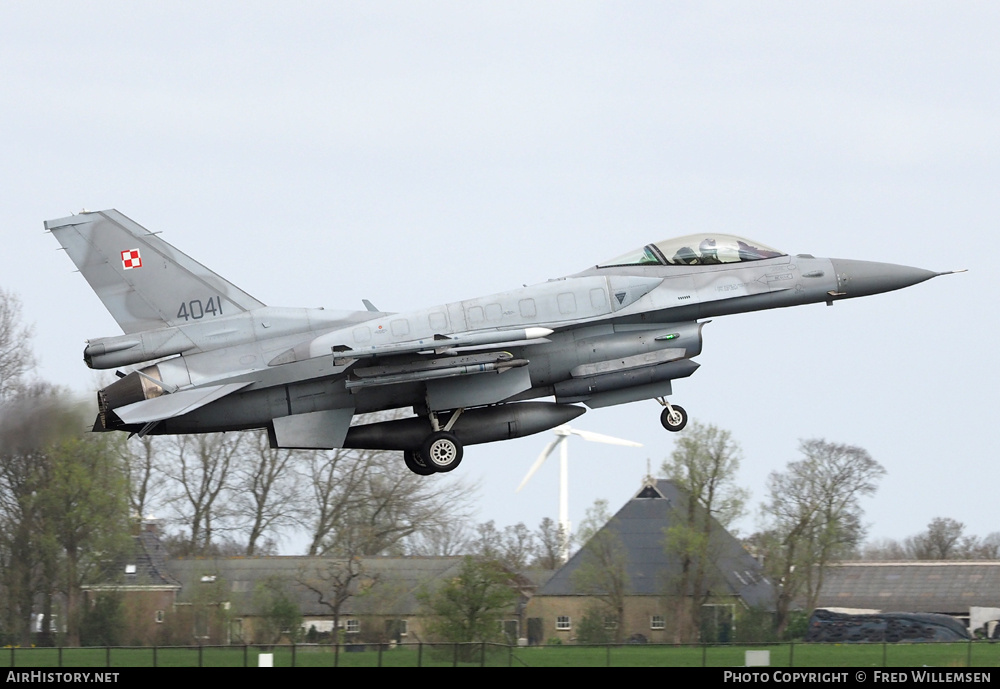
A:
[(707, 248)]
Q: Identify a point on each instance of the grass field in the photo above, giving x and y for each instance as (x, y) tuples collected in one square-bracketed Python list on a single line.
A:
[(976, 654)]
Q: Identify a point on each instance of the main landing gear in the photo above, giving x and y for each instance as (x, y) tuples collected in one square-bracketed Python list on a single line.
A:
[(440, 452), (673, 417), (416, 464)]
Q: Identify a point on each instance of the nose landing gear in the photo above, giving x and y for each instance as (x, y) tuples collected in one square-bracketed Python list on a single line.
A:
[(673, 417)]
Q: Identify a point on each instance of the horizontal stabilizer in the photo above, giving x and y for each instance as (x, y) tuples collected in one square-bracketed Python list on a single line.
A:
[(174, 404)]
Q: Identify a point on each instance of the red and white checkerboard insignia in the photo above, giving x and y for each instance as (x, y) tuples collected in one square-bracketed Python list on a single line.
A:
[(130, 259)]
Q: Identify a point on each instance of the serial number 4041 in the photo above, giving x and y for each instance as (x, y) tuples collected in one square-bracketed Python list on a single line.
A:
[(195, 309)]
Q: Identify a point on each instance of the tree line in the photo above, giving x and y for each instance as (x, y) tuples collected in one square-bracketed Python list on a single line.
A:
[(943, 539)]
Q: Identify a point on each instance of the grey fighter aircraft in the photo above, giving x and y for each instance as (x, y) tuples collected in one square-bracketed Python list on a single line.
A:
[(207, 357)]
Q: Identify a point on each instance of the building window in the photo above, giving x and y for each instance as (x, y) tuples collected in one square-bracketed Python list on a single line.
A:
[(352, 626), (563, 623), (657, 622), (402, 627), (159, 616)]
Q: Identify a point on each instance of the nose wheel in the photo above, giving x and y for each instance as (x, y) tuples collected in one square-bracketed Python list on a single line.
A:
[(673, 417)]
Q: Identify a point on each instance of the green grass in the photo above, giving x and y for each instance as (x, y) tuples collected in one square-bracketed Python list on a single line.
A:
[(978, 654)]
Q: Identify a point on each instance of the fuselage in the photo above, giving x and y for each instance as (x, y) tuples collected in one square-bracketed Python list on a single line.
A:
[(620, 333)]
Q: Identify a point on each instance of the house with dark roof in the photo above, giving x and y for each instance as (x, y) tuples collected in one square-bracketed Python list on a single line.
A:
[(222, 600), (228, 599), (734, 583), (230, 596), (148, 589)]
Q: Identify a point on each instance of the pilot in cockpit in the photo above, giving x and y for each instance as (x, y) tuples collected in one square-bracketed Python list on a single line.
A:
[(708, 251)]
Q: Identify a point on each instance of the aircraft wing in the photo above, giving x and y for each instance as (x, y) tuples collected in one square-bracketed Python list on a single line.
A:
[(452, 382), (175, 404)]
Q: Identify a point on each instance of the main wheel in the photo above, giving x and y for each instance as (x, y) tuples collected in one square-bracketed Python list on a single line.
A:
[(674, 421), (416, 464), (442, 451)]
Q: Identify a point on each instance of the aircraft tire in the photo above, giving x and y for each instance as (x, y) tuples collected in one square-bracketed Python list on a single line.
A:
[(676, 421), (442, 451), (416, 464)]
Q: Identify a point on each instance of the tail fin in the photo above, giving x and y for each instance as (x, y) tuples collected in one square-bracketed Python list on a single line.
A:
[(144, 282)]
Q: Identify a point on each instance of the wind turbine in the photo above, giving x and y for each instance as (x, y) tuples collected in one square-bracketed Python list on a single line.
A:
[(562, 435)]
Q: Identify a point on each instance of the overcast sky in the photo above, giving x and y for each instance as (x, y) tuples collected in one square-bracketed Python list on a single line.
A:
[(412, 153)]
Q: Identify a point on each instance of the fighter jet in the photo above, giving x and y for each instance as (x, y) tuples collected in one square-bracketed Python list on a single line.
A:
[(201, 355)]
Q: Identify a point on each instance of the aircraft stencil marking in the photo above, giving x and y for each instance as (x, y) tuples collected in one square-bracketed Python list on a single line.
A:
[(471, 371)]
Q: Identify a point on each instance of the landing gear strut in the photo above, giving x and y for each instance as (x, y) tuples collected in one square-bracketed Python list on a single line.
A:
[(440, 452), (673, 417)]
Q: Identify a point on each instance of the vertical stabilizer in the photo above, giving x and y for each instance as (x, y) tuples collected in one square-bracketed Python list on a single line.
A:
[(144, 282)]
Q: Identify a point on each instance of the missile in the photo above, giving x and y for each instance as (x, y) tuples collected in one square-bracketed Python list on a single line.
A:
[(334, 342), (435, 373)]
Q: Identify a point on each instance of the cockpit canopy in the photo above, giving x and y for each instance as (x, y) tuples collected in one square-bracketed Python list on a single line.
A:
[(696, 249)]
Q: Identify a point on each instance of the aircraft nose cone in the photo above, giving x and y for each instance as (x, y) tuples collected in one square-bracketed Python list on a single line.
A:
[(861, 278)]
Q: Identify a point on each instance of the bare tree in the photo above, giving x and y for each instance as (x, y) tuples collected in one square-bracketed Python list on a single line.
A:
[(814, 515), (140, 461), (988, 548), (943, 540), (550, 537), (365, 502), (445, 540), (16, 358), (519, 547), (334, 581), (514, 547), (884, 549), (199, 467), (267, 489), (335, 478), (24, 430)]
